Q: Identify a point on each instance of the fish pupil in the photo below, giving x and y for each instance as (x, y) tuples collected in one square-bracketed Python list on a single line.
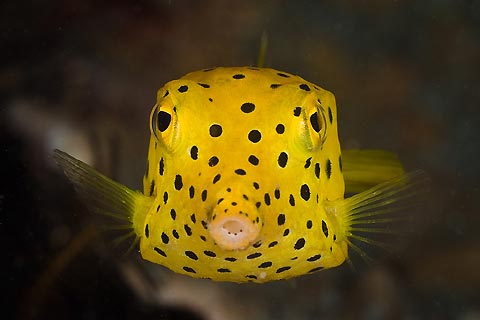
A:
[(314, 122), (163, 120)]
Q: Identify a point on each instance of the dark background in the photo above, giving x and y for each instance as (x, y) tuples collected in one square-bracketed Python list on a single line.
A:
[(82, 76)]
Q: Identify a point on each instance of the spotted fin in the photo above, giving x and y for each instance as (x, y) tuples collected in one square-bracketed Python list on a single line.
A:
[(380, 215), (126, 207), (363, 169)]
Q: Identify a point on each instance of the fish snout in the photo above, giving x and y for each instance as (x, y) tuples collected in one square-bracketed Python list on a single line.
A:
[(235, 224)]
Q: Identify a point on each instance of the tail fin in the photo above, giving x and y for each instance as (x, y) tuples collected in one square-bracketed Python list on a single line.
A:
[(126, 207), (363, 169), (377, 216)]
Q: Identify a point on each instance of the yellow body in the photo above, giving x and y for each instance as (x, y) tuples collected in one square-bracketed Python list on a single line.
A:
[(244, 179)]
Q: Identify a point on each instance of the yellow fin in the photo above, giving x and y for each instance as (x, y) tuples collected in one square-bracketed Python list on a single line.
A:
[(363, 169), (377, 216), (102, 195)]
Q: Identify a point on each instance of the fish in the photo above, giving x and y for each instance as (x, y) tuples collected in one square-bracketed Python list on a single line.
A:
[(246, 181)]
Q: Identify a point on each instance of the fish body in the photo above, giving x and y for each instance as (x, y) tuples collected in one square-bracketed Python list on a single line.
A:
[(244, 179)]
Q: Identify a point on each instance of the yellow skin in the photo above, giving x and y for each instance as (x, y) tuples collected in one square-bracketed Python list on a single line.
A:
[(244, 180), (278, 99)]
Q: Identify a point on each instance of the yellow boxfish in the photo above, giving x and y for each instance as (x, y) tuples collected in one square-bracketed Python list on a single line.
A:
[(245, 180)]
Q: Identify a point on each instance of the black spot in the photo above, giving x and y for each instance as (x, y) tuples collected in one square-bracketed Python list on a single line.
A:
[(305, 87), (283, 75), (240, 172), (165, 238), (165, 197), (267, 199), (152, 187), (251, 276), (280, 128), (281, 219), (194, 152), (299, 244), (213, 161), (256, 185), (297, 111), (163, 120), (265, 264), (314, 122), (315, 269), (160, 252), (161, 167), (204, 195), (307, 163), (210, 99), (254, 136), (223, 270), (215, 130), (340, 163), (203, 238), (324, 228), (329, 168), (178, 182), (291, 200), (254, 255), (334, 237), (286, 232), (191, 255), (238, 76), (309, 224), (188, 269), (245, 197), (147, 233), (253, 160), (330, 115), (204, 85), (277, 194), (173, 214), (283, 269), (314, 258), (257, 244), (258, 204), (272, 244), (204, 224), (193, 218), (282, 159), (166, 94), (188, 230), (305, 192), (216, 178), (183, 89), (275, 85), (191, 192), (230, 259), (234, 203), (158, 208), (317, 170), (175, 234), (209, 253), (247, 107)]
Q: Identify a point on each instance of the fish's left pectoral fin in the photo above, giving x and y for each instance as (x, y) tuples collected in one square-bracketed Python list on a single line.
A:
[(381, 216), (125, 208)]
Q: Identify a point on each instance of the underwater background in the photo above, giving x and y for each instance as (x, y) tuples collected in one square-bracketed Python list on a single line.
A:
[(82, 76)]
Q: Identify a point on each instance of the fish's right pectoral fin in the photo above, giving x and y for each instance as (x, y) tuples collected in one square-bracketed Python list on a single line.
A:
[(125, 208), (363, 169)]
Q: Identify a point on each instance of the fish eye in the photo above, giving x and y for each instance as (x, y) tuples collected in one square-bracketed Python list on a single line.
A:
[(318, 123), (163, 120)]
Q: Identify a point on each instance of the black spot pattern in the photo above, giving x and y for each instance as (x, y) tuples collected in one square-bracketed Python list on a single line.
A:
[(188, 269), (216, 178), (307, 163), (247, 107), (204, 195), (299, 244), (178, 182), (204, 85), (160, 252), (283, 75), (165, 238), (305, 192), (330, 115), (254, 136), (188, 230), (193, 218), (223, 270), (272, 244), (325, 228), (165, 197), (305, 87), (210, 253), (238, 76), (317, 170), (281, 219), (231, 259), (265, 264), (283, 269), (282, 159), (213, 161), (314, 258), (277, 194), (173, 214), (191, 192), (254, 255), (240, 172), (194, 152), (297, 111), (175, 234), (147, 232), (256, 185), (152, 187), (191, 255), (161, 167), (328, 168), (280, 128), (291, 200), (267, 199), (275, 85), (286, 232), (215, 130), (183, 89), (253, 160), (309, 224)]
